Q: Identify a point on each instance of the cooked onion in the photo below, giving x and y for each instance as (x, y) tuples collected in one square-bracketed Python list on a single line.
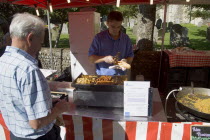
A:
[(198, 102)]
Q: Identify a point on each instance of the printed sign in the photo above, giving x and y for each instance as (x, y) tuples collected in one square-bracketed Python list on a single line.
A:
[(200, 132), (136, 96)]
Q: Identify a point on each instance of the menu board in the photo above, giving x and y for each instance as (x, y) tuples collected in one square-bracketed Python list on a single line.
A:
[(200, 132)]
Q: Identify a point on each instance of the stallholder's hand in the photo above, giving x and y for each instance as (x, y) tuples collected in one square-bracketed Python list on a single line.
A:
[(123, 63), (62, 106), (109, 59)]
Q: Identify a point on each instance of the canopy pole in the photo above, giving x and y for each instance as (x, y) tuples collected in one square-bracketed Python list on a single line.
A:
[(164, 27), (162, 46), (50, 39)]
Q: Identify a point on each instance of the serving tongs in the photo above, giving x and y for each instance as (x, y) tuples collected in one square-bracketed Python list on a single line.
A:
[(166, 101), (116, 58)]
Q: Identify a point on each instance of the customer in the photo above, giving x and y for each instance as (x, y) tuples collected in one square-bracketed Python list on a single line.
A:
[(6, 40), (108, 43), (26, 103)]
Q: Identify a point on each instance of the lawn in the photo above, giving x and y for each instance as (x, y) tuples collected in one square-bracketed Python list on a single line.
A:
[(197, 36), (64, 41), (129, 32)]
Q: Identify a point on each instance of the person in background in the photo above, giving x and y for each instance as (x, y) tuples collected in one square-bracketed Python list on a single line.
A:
[(103, 26), (103, 23), (107, 44), (55, 32), (26, 103), (6, 40), (123, 29), (46, 37)]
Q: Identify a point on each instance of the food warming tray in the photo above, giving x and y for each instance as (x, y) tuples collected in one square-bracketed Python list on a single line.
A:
[(95, 87)]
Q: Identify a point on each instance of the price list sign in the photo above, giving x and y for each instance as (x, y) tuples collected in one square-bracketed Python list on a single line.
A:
[(200, 132)]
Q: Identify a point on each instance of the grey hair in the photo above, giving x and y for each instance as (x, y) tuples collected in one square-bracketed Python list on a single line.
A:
[(24, 23)]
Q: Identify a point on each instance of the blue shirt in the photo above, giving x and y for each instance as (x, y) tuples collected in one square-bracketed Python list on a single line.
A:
[(103, 45), (24, 93)]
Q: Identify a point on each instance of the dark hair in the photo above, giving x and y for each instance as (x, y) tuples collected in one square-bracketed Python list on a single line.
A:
[(115, 15), (5, 28)]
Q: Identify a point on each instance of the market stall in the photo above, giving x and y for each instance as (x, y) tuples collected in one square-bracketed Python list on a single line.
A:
[(90, 123), (90, 128), (180, 67), (110, 123)]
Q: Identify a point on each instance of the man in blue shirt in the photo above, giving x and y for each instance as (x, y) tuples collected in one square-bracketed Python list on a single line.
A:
[(107, 44), (25, 99)]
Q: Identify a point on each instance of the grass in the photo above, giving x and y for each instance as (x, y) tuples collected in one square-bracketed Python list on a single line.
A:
[(64, 41), (197, 36), (129, 32)]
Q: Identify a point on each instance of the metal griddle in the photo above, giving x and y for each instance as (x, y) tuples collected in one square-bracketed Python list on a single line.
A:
[(94, 87)]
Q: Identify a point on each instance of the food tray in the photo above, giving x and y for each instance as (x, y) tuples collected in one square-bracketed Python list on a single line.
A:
[(94, 87)]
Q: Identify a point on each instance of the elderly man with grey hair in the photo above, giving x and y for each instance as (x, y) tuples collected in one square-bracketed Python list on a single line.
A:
[(26, 103)]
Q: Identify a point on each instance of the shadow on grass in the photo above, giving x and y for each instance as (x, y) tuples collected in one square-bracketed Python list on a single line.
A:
[(63, 43), (133, 41), (158, 47), (199, 44), (199, 32), (196, 44)]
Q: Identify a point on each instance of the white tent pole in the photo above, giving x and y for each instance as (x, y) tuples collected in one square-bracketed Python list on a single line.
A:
[(164, 26), (50, 39)]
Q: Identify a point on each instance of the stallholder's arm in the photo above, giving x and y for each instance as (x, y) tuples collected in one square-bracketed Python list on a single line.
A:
[(110, 59)]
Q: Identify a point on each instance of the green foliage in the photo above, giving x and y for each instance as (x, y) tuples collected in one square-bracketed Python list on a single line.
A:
[(64, 41), (104, 10), (128, 10), (129, 32), (61, 15), (202, 11), (202, 6), (202, 14), (7, 10)]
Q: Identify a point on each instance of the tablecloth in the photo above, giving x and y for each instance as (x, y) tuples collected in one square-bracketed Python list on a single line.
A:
[(188, 58), (86, 128)]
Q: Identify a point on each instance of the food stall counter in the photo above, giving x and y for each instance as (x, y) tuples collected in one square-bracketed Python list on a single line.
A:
[(113, 113)]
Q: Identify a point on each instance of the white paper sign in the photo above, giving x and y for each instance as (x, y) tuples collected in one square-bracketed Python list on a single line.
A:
[(136, 94), (47, 72)]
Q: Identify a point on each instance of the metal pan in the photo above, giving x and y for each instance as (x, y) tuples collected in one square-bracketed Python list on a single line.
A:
[(190, 108), (93, 87)]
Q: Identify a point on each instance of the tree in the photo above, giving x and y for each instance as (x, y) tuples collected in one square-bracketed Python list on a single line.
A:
[(128, 10), (6, 13), (104, 10), (146, 22), (7, 10), (202, 11), (60, 16)]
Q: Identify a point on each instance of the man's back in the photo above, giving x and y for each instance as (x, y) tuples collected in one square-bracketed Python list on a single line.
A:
[(22, 97)]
